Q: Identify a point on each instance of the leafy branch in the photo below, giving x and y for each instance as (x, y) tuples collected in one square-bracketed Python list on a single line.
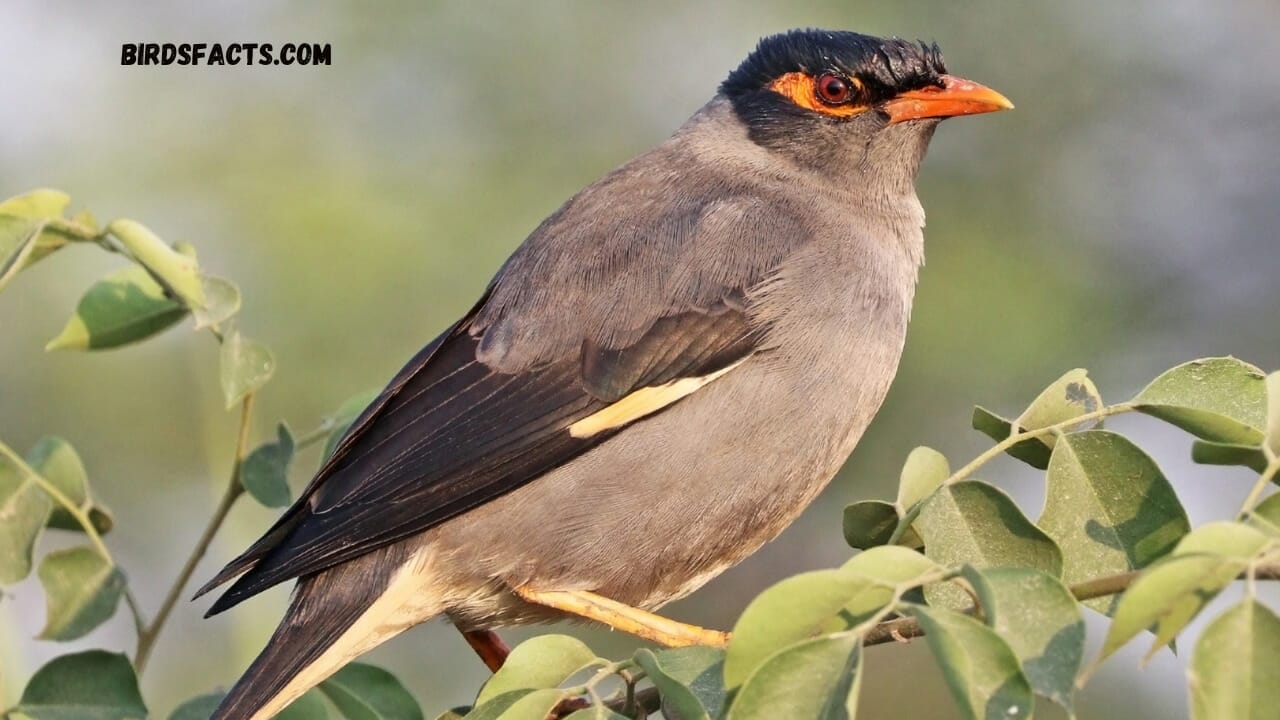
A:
[(999, 597), (49, 487)]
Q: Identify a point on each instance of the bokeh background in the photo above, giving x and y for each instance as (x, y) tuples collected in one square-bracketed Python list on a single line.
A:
[(1123, 219)]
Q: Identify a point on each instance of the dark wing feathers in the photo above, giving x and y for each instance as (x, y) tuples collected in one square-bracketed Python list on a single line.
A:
[(675, 346), (456, 433)]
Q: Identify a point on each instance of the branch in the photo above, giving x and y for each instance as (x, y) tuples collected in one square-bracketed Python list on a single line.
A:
[(999, 448), (147, 638), (1015, 438), (1268, 474), (905, 628)]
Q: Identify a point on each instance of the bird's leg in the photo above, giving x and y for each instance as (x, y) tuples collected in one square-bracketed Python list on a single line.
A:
[(624, 617), (492, 651)]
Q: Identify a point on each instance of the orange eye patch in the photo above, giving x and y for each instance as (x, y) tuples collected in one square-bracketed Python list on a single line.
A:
[(822, 94)]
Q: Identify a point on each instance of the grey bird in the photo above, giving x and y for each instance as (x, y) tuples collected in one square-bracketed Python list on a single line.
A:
[(656, 383)]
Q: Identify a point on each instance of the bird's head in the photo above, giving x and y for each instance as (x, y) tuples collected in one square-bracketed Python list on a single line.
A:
[(836, 100)]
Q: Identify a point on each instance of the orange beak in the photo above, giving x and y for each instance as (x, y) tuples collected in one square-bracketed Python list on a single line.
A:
[(957, 96)]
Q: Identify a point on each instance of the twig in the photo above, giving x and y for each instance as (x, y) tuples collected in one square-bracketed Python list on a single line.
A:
[(1268, 474), (139, 623), (320, 432), (907, 628), (147, 638), (996, 450), (896, 630), (1015, 438)]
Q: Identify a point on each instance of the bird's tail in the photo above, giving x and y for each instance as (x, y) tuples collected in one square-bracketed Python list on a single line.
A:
[(334, 616)]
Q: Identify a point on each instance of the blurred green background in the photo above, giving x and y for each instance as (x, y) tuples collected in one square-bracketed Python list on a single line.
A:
[(1123, 219)]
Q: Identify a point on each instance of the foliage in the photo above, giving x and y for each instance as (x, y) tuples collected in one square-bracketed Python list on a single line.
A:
[(999, 597)]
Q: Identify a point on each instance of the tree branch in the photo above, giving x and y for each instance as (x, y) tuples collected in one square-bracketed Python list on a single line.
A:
[(147, 638), (905, 628)]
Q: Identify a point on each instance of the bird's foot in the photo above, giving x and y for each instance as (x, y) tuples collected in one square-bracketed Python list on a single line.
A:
[(618, 616)]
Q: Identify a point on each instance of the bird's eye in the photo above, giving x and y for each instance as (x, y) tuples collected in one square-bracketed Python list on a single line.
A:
[(833, 89)]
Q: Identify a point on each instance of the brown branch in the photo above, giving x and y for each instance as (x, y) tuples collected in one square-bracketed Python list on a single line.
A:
[(647, 700)]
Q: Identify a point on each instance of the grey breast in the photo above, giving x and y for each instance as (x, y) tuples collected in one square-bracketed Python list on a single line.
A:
[(654, 512)]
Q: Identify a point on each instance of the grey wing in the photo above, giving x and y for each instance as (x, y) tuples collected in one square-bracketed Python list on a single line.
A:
[(492, 404)]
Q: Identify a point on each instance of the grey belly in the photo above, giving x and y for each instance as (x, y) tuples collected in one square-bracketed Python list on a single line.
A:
[(653, 513)]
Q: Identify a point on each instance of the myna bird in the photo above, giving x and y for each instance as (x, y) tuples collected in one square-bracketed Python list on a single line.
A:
[(656, 383)]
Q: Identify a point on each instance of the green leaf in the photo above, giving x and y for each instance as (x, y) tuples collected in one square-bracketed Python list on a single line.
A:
[(1033, 452), (530, 705), (41, 204), (980, 667), (221, 302), (1218, 399), (1167, 597), (309, 706), (178, 272), (690, 680), (91, 685), (55, 236), (891, 570), (1267, 515), (198, 708), (86, 220), (1224, 538), (345, 415), (975, 523), (923, 473), (22, 220), (265, 471), (869, 523), (1233, 669), (365, 692), (1212, 453), (245, 366), (124, 307), (1070, 396), (454, 713), (1036, 614), (891, 564), (59, 463), (1109, 508), (82, 590), (791, 610), (24, 510), (817, 679), (499, 704), (17, 245), (541, 662), (1273, 413)]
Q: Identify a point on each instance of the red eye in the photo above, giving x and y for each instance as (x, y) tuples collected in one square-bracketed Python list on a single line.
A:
[(833, 89)]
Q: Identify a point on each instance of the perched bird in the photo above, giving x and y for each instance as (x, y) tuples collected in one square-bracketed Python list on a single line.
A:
[(656, 383)]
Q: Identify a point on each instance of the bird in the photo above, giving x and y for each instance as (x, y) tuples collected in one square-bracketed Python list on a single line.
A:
[(657, 382)]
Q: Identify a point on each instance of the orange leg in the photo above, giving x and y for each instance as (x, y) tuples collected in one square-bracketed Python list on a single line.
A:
[(492, 651), (622, 617)]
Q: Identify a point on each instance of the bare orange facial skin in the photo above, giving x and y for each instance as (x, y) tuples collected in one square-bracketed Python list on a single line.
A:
[(802, 89)]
